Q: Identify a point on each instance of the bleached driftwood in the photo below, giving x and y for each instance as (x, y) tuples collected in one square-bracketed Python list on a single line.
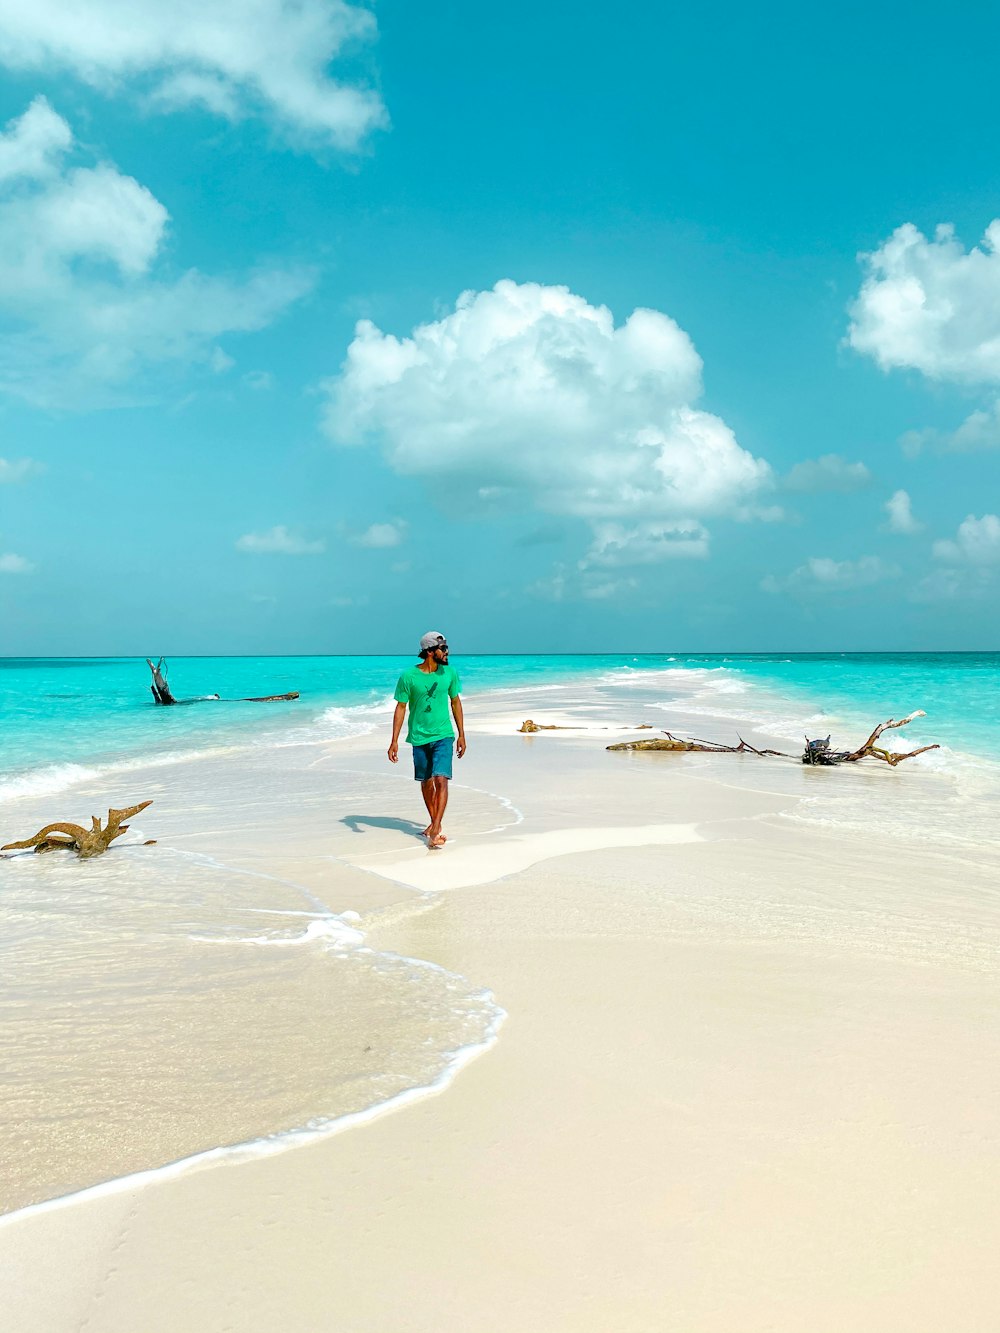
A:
[(74, 837), (528, 726), (674, 743), (816, 751)]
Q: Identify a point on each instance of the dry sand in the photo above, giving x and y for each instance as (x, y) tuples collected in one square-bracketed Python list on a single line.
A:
[(748, 1080)]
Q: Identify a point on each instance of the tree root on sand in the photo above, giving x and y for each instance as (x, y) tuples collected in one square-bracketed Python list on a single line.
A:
[(85, 842)]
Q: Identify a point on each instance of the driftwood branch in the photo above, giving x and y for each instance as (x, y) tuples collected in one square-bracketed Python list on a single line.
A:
[(819, 752), (816, 751), (528, 726), (670, 742), (161, 691), (86, 842)]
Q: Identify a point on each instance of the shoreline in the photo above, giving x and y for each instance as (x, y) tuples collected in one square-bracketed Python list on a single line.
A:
[(738, 814), (472, 863), (809, 702)]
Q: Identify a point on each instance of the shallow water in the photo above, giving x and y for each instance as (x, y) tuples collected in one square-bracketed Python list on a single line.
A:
[(162, 1001), (218, 989), (94, 712)]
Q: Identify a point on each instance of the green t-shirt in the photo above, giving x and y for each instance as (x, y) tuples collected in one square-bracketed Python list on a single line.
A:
[(427, 693)]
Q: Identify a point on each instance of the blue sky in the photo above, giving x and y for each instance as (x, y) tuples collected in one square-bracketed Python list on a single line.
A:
[(671, 329)]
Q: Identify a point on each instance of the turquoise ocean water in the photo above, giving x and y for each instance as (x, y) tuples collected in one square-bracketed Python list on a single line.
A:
[(59, 715)]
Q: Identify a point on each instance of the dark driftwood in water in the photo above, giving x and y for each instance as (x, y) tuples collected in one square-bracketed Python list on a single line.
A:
[(74, 837), (816, 752), (819, 752), (159, 687), (161, 691)]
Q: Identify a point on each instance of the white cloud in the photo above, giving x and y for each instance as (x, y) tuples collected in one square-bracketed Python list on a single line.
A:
[(941, 585), (83, 306), (828, 473), (526, 395), (278, 541), (821, 574), (603, 590), (900, 514), (552, 588), (978, 432), (381, 535), (762, 514), (259, 380), (13, 470), (645, 544), (234, 58), (932, 306), (34, 144), (563, 584), (977, 542), (15, 564), (219, 361)]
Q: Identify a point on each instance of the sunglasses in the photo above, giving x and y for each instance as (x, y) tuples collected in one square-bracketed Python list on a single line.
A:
[(440, 647)]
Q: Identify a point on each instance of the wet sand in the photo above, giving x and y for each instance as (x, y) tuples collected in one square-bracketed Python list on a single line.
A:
[(748, 1078)]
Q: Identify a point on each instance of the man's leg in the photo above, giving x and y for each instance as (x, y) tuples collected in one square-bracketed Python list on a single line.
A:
[(439, 802), (427, 792)]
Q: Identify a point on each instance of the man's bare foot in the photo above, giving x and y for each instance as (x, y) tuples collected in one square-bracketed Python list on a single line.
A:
[(427, 831), (436, 839)]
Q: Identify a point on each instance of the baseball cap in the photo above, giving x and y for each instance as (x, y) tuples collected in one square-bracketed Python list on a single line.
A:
[(432, 640)]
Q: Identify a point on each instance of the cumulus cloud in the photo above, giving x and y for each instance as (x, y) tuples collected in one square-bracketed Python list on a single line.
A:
[(381, 535), (233, 58), (14, 564), (828, 473), (564, 584), (526, 396), (278, 541), (13, 470), (33, 146), (84, 306), (645, 544), (941, 585), (980, 431), (899, 510), (259, 380), (931, 305), (977, 542), (821, 574)]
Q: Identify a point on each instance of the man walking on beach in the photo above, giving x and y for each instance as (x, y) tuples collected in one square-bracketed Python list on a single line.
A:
[(427, 688)]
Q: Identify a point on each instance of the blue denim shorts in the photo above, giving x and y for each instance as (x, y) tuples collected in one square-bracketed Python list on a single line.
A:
[(433, 760)]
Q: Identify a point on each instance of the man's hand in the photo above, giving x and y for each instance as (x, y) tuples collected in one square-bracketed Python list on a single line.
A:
[(460, 747), (398, 718)]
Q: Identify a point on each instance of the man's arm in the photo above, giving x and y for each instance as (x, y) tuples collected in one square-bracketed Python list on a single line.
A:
[(456, 708), (397, 727)]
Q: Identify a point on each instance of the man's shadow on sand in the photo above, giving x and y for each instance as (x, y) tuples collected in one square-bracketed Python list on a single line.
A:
[(361, 823)]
